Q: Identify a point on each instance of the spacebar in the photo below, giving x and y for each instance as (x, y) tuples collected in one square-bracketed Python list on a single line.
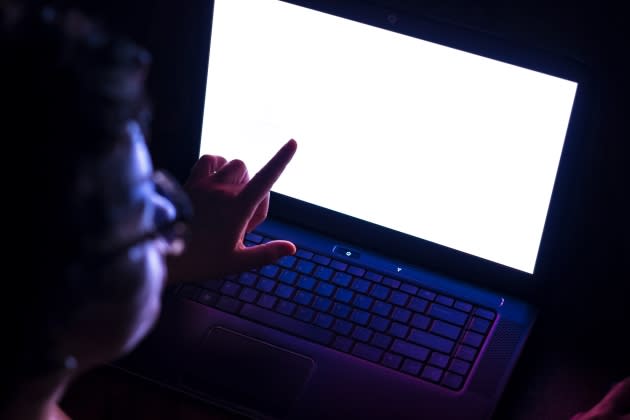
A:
[(293, 326)]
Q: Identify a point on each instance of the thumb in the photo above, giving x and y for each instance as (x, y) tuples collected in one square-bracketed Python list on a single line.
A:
[(261, 255)]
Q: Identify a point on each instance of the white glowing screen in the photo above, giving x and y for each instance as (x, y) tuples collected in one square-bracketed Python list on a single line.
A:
[(441, 144)]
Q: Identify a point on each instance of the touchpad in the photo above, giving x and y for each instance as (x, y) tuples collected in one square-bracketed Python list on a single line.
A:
[(241, 371)]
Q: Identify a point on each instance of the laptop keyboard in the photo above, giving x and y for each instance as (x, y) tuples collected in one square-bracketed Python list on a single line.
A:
[(376, 317)]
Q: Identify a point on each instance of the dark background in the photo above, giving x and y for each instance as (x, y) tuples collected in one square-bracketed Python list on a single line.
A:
[(577, 349)]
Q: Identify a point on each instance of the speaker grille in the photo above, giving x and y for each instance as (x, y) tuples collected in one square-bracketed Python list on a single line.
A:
[(494, 366)]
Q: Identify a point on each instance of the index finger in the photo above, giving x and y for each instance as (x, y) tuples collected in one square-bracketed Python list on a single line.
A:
[(260, 185)]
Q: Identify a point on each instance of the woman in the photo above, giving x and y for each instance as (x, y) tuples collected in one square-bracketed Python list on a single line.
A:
[(101, 229)]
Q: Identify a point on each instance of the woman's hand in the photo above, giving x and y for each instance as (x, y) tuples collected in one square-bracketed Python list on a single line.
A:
[(227, 205)]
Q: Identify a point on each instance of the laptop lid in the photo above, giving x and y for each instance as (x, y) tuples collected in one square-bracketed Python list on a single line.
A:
[(432, 143)]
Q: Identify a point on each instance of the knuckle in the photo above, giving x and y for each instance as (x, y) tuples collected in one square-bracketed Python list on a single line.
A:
[(238, 164), (206, 158)]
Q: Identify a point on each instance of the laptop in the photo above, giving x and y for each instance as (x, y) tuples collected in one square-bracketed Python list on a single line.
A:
[(430, 158)]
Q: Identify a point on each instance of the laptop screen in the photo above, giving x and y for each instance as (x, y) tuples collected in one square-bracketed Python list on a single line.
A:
[(441, 144)]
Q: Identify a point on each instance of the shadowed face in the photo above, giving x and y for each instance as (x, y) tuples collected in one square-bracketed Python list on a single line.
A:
[(125, 299)]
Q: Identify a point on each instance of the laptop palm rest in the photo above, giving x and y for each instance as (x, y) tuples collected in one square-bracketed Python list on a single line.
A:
[(229, 366)]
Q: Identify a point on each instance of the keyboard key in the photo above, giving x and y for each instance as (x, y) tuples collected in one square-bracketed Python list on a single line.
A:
[(373, 276), (304, 267), (303, 297), (322, 303), (479, 325), (324, 289), (388, 281), (463, 306), (253, 237), (302, 253), (398, 330), (340, 310), (391, 360), (230, 289), (398, 298), (248, 279), (207, 297), (267, 301), (342, 279), (265, 285), (417, 304), (248, 295), (420, 321), (381, 340), (342, 327), (304, 314), (445, 300), (270, 271), (484, 313), (459, 366), (380, 292), (447, 314), (410, 350), (356, 271), (432, 373), (401, 315), (473, 339), (382, 308), (290, 325), (323, 273), (324, 320), (284, 291), (453, 381), (287, 276), (445, 329), (228, 304), (411, 366), (379, 324), (362, 301), (360, 317), (439, 359), (320, 259), (466, 353), (306, 282), (343, 295), (362, 334), (409, 288), (431, 341), (427, 294), (343, 344), (286, 308), (365, 351), (338, 265), (360, 285), (287, 261)]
